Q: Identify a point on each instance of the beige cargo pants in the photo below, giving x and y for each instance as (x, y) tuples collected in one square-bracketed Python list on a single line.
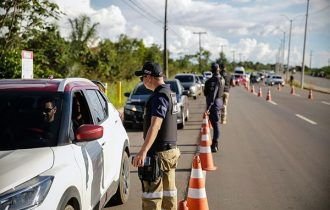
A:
[(162, 193), (225, 97)]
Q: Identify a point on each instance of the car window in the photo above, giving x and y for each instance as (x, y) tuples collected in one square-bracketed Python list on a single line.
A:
[(173, 86), (80, 111), (96, 106), (29, 120), (185, 78), (142, 90)]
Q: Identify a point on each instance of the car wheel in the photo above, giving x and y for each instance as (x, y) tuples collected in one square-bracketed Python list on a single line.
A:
[(122, 193), (69, 207), (195, 97)]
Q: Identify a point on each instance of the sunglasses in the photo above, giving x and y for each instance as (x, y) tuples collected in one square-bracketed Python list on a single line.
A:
[(47, 110)]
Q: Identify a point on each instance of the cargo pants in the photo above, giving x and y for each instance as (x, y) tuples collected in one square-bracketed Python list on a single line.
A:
[(162, 194), (225, 97)]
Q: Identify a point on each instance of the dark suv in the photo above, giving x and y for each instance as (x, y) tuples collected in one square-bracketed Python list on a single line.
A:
[(62, 146)]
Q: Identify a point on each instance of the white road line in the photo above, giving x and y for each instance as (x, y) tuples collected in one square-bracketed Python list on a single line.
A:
[(327, 103), (306, 119), (272, 102)]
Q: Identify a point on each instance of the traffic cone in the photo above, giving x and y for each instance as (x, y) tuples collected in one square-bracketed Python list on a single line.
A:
[(310, 95), (196, 199), (252, 89), (259, 93), (205, 146), (292, 90), (183, 205), (279, 87), (268, 97)]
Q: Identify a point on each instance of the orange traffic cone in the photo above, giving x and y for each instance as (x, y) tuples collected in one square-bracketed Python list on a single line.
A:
[(259, 93), (183, 205), (268, 97), (310, 95), (279, 87), (252, 89), (196, 199), (205, 146), (292, 90)]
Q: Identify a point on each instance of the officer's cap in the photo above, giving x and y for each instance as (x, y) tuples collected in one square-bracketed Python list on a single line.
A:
[(150, 68)]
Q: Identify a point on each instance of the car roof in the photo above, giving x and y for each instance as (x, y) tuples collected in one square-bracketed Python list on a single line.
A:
[(47, 85)]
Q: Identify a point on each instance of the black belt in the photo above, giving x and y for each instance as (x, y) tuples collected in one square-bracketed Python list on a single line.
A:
[(165, 147)]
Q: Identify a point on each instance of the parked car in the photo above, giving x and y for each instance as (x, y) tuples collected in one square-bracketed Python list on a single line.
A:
[(134, 106), (182, 99), (203, 80), (62, 146), (190, 83), (274, 80), (136, 101)]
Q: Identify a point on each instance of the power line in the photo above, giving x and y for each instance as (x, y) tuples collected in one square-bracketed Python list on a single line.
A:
[(145, 11)]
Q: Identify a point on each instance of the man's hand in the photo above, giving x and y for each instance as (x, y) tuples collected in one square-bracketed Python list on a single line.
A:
[(139, 159)]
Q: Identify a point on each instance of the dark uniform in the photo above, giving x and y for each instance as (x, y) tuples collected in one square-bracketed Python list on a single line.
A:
[(227, 78), (214, 88)]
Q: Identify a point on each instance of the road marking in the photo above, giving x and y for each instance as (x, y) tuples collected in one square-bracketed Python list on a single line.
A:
[(327, 103), (272, 102), (306, 119)]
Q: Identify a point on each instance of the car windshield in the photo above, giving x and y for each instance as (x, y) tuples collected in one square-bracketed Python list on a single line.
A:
[(142, 90), (29, 119), (277, 77), (185, 78)]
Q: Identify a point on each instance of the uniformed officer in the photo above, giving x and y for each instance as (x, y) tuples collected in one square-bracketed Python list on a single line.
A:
[(226, 76), (213, 91), (160, 137)]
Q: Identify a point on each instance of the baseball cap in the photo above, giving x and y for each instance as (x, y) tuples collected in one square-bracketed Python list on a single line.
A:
[(150, 68)]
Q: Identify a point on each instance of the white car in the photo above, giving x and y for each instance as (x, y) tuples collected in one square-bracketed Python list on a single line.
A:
[(47, 160), (274, 80)]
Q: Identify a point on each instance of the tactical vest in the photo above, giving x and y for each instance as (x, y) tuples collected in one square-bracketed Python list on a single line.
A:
[(211, 85), (168, 130)]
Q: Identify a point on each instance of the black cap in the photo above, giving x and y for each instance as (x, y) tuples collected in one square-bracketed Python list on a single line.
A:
[(150, 68), (214, 66)]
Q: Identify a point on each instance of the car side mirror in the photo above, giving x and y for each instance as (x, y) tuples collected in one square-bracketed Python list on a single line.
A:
[(127, 94), (89, 132)]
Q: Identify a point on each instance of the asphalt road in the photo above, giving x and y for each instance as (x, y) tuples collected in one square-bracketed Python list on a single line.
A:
[(272, 156)]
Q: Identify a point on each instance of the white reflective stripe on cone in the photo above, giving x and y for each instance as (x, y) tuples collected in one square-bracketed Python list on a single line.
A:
[(205, 137), (204, 149), (197, 173), (197, 193), (171, 193), (152, 195), (205, 121)]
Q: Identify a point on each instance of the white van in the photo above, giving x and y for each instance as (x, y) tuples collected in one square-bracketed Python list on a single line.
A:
[(239, 70)]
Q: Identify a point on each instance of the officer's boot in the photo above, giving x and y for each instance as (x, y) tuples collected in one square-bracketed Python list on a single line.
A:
[(214, 147)]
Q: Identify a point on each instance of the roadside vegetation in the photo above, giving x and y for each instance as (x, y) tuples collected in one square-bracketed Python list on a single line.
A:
[(30, 25)]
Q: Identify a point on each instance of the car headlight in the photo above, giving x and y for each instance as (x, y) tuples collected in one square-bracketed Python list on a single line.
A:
[(192, 88), (131, 107), (29, 194)]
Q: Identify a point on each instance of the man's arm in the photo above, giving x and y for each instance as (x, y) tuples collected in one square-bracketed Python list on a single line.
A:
[(155, 125)]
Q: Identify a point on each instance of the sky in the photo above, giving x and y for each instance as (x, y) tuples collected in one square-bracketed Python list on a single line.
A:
[(245, 30)]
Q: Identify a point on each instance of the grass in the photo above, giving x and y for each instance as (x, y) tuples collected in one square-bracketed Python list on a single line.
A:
[(116, 90)]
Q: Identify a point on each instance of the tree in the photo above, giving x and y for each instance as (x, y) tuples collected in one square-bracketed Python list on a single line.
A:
[(82, 34)]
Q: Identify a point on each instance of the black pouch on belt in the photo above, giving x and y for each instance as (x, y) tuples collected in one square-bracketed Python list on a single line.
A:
[(150, 172)]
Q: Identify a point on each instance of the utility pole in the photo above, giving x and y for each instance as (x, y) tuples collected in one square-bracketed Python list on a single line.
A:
[(310, 59), (240, 57), (288, 67), (222, 47), (165, 58), (200, 49), (233, 51), (303, 60)]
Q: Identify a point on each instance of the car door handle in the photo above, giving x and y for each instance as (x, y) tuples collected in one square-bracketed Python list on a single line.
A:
[(116, 121)]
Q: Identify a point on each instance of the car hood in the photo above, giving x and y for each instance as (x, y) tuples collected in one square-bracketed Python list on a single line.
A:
[(19, 166), (138, 99)]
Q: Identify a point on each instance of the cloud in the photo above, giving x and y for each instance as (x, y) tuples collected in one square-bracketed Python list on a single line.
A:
[(246, 26)]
